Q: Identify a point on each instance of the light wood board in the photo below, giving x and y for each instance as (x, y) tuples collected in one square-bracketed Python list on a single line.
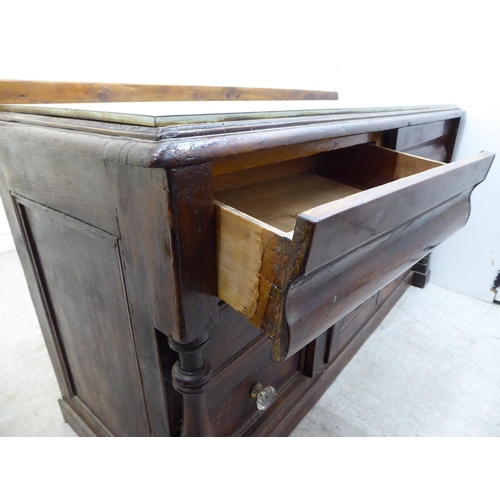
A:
[(279, 201)]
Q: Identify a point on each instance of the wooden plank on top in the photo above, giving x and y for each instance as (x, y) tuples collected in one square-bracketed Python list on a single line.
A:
[(46, 92)]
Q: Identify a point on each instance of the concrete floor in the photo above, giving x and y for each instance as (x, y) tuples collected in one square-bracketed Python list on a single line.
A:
[(431, 369)]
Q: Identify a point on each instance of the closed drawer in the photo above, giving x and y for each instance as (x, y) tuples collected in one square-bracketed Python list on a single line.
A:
[(246, 361), (297, 253), (231, 405)]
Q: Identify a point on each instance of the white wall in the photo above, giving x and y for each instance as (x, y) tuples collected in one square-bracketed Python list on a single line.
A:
[(373, 53), (455, 61)]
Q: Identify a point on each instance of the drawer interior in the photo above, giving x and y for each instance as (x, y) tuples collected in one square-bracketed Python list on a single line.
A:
[(278, 202), (307, 183)]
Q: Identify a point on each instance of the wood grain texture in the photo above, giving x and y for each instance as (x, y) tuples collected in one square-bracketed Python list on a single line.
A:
[(65, 181), (41, 92), (416, 135), (412, 192), (94, 332), (353, 279), (192, 217), (278, 202), (285, 415), (252, 257), (158, 210), (142, 215), (366, 166), (35, 285), (275, 144), (278, 158), (263, 173), (380, 210), (397, 225), (435, 141), (273, 140)]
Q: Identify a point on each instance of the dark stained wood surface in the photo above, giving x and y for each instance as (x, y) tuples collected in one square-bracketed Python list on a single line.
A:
[(222, 348), (270, 141), (193, 236), (396, 225), (40, 92), (378, 211), (403, 207), (133, 207), (284, 417), (95, 334), (234, 382), (191, 377), (360, 274), (287, 143), (141, 213), (35, 284)]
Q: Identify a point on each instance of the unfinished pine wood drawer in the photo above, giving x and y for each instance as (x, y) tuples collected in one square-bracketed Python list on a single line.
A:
[(298, 252)]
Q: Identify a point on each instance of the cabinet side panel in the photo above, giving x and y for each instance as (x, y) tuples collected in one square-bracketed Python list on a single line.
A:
[(82, 281), (146, 248), (65, 181)]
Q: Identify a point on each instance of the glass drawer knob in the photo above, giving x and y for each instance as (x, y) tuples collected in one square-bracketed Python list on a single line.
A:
[(265, 396)]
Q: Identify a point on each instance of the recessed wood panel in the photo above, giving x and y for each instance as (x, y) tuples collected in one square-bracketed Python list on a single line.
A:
[(81, 279)]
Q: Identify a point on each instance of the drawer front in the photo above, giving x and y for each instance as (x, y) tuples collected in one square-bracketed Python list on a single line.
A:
[(293, 285), (361, 243), (241, 358)]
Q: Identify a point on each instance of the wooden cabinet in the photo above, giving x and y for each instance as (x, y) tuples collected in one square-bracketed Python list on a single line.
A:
[(175, 263)]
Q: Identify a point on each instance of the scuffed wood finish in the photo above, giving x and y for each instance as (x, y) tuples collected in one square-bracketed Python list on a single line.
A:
[(397, 225), (44, 92), (192, 225), (281, 420), (141, 211), (70, 183), (128, 255), (286, 158), (410, 205), (191, 376), (270, 140), (251, 261), (95, 334), (431, 140), (378, 211)]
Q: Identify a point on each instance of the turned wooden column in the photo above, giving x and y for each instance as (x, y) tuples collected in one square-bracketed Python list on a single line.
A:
[(192, 223), (191, 376)]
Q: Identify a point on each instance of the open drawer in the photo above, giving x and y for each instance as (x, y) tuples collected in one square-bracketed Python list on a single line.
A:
[(302, 249)]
